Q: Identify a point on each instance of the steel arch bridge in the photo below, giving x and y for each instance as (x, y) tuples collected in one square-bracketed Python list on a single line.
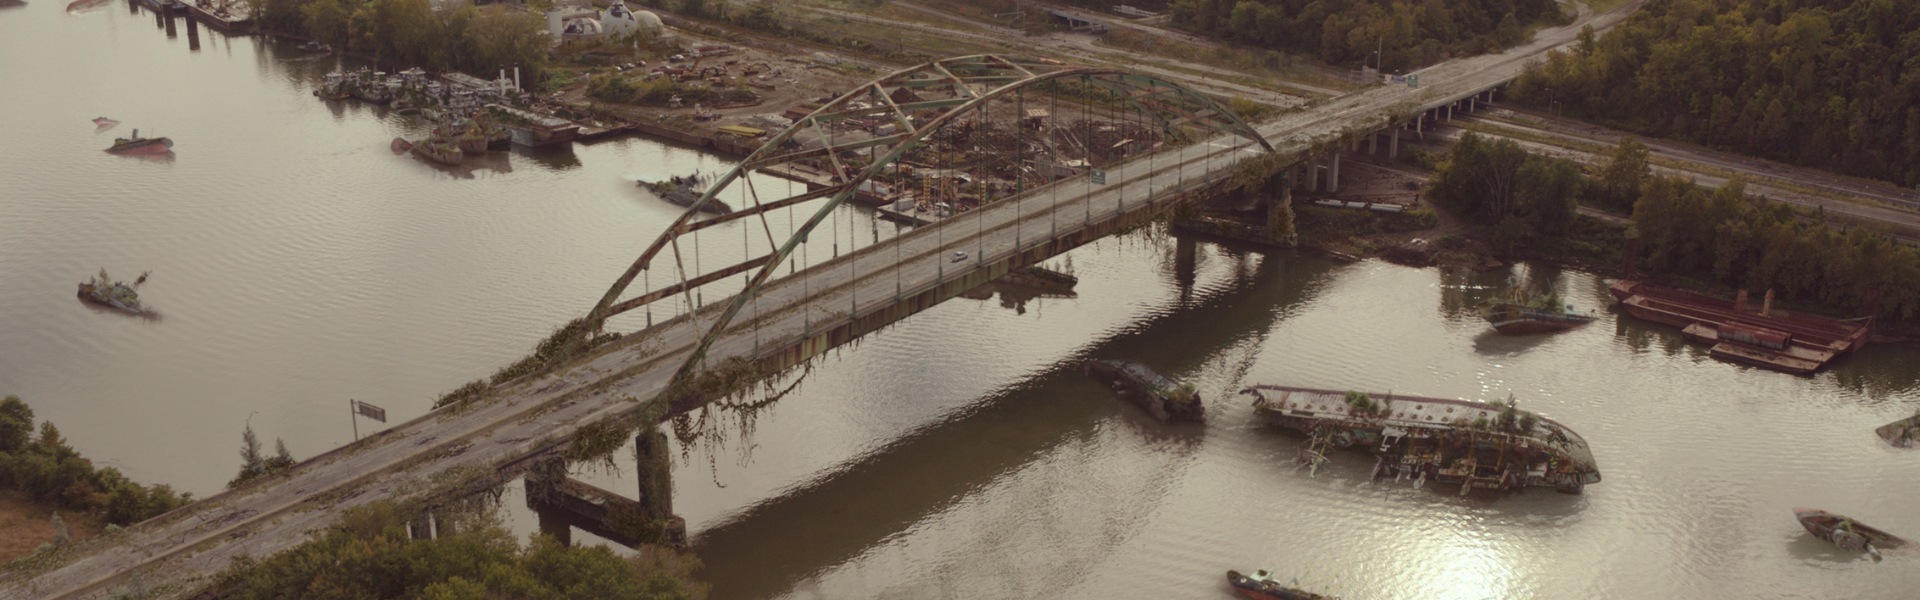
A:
[(856, 136)]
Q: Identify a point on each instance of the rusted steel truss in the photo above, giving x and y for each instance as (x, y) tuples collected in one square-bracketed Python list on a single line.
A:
[(913, 103)]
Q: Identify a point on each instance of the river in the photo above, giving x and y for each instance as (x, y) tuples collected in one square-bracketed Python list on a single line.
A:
[(298, 263)]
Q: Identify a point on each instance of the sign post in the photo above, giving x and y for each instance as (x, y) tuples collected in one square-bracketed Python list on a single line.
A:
[(357, 409), (1099, 176)]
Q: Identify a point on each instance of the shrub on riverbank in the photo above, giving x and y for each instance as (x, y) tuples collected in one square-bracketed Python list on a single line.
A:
[(50, 471), (370, 555)]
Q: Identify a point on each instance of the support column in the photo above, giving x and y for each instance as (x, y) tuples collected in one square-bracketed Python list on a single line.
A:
[(1185, 265), (540, 481), (1418, 124), (1333, 174), (654, 463), (1373, 144), (1393, 144), (1450, 112)]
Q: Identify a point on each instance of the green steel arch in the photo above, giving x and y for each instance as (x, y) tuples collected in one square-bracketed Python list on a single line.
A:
[(970, 81)]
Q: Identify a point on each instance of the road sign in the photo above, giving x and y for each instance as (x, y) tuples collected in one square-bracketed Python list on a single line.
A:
[(1099, 177), (1413, 81), (370, 411)]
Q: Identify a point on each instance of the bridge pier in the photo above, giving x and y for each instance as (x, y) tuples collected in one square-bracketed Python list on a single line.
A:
[(1185, 265), (563, 503), (1393, 144), (1333, 174), (1417, 125)]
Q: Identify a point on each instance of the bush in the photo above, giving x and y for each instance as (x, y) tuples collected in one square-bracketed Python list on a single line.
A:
[(50, 471)]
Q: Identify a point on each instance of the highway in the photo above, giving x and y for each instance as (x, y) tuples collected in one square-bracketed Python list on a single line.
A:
[(421, 457)]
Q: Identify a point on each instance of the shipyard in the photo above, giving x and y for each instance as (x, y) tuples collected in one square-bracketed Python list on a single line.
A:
[(989, 298)]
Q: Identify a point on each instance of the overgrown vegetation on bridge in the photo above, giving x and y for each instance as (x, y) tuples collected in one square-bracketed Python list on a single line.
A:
[(51, 472), (370, 555), (570, 341), (1823, 84)]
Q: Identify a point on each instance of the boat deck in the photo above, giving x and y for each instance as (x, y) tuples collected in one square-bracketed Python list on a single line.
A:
[(1415, 413)]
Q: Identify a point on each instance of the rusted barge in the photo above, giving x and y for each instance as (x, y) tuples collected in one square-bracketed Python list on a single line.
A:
[(1770, 338), (1163, 397), (1478, 445)]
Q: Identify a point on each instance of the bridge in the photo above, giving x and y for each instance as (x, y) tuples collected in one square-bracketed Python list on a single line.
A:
[(1141, 147)]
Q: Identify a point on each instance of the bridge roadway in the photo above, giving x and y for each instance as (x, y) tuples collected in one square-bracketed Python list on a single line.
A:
[(528, 417)]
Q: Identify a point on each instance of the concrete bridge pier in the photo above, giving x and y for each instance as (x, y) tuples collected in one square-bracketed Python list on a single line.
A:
[(563, 503), (1418, 124), (1185, 265), (1393, 144), (1333, 174)]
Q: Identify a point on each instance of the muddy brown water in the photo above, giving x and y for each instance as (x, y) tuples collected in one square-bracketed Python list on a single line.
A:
[(298, 263)]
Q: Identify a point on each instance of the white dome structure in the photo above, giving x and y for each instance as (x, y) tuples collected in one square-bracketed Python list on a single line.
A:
[(649, 23), (617, 20)]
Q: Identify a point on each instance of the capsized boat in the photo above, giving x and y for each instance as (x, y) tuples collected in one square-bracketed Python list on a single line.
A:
[(1845, 532), (102, 124), (1479, 445), (1261, 586), (140, 145), (1165, 398), (104, 291), (685, 191), (1902, 433), (1521, 314), (440, 150)]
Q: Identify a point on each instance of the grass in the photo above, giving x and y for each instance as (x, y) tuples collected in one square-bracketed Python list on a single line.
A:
[(25, 525)]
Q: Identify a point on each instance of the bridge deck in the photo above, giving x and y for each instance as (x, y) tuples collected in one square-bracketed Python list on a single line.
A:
[(530, 415)]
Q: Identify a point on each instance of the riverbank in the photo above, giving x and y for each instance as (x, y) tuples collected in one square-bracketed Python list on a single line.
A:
[(25, 525)]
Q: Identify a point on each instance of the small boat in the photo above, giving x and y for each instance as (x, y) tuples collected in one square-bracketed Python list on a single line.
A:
[(104, 291), (140, 145), (684, 191), (439, 150), (104, 123), (1845, 532), (316, 46), (1902, 433), (1261, 586), (1163, 397), (1522, 314)]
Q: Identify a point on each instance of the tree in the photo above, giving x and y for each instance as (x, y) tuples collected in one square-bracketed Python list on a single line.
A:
[(16, 425), (252, 464), (1546, 191), (1627, 169), (325, 20)]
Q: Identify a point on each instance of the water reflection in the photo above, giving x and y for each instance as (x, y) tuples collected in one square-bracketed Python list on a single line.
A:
[(780, 541)]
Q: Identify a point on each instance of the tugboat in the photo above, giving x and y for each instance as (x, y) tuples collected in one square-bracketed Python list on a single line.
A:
[(684, 191), (1845, 532), (104, 291), (334, 87), (1261, 586), (1484, 445), (440, 150), (1521, 314), (1163, 397), (141, 146)]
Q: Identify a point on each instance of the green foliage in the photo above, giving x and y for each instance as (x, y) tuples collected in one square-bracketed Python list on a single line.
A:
[(370, 556), (1618, 184), (1521, 194), (254, 465), (1725, 236), (412, 32), (473, 390), (50, 471), (1407, 33), (1826, 84), (16, 424)]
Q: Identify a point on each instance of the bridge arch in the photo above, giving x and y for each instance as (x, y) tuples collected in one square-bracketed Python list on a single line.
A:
[(968, 84)]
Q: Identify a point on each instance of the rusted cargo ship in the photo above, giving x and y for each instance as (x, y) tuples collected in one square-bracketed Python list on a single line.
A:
[(1478, 445), (1135, 382), (1769, 337)]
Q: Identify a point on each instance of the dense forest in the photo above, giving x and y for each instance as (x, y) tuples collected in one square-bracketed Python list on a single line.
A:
[(370, 555), (50, 471), (1407, 33), (1687, 231), (479, 40), (1831, 84)]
